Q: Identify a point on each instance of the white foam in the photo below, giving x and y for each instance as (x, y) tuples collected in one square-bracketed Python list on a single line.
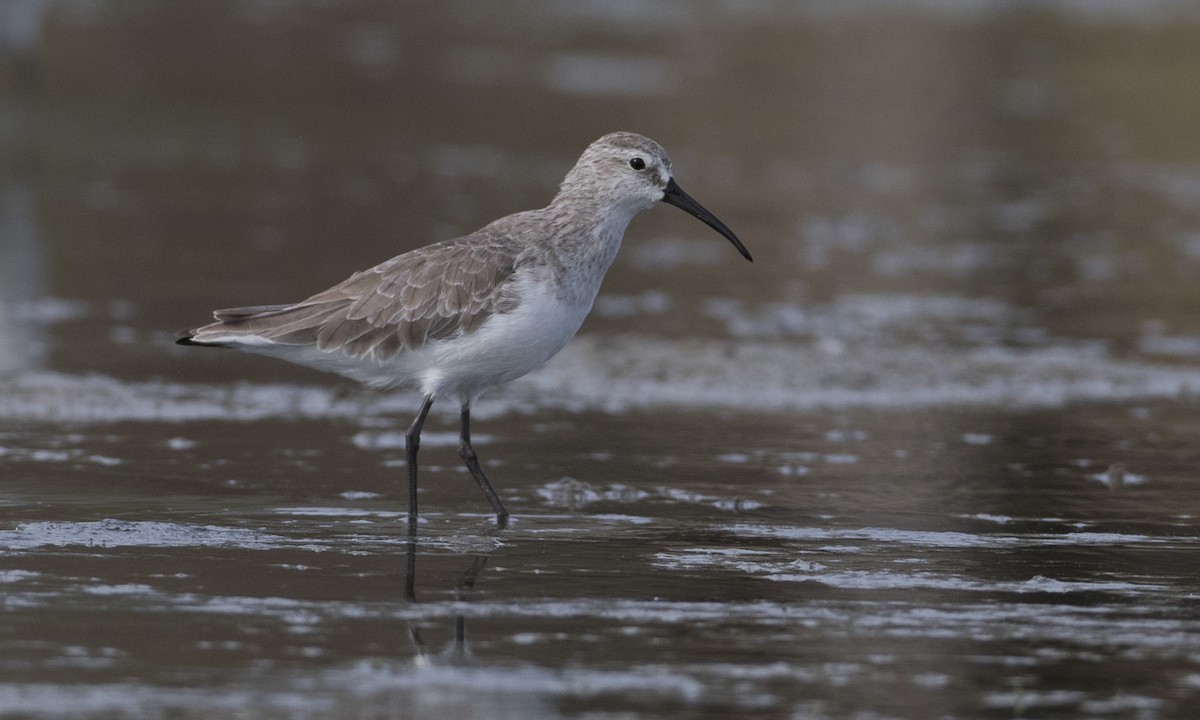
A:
[(121, 533), (618, 373), (948, 539)]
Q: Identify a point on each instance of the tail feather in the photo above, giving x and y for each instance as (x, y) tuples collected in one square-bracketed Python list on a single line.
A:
[(187, 337), (297, 324), (245, 313)]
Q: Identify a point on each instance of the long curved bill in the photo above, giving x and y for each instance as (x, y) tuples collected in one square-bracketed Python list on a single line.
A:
[(674, 195)]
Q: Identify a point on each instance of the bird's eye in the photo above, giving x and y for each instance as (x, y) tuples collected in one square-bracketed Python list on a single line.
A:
[(637, 163)]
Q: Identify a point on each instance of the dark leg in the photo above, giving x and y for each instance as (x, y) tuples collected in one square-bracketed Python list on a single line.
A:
[(410, 572), (412, 443), (472, 460)]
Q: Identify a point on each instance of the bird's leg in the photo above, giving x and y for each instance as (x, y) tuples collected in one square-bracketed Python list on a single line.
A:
[(412, 442), (472, 461)]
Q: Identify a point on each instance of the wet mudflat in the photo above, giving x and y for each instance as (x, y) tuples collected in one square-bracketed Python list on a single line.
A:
[(959, 563), (933, 455)]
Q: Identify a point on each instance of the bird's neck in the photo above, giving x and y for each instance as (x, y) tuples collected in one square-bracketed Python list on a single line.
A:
[(585, 220), (587, 236)]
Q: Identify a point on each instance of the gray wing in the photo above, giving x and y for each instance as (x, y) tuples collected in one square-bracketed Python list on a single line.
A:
[(432, 293)]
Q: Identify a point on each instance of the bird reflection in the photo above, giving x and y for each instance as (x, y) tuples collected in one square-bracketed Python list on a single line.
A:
[(466, 584)]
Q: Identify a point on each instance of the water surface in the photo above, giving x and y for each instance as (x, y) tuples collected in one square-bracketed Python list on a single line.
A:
[(932, 455)]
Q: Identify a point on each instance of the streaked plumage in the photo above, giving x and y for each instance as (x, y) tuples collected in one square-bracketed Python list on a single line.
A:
[(457, 317)]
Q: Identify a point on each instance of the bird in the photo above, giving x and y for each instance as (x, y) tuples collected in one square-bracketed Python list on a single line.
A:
[(458, 317)]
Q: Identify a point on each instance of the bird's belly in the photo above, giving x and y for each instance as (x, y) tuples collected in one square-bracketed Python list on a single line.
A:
[(506, 347)]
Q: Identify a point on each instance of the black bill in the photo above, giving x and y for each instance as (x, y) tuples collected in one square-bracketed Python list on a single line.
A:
[(674, 195)]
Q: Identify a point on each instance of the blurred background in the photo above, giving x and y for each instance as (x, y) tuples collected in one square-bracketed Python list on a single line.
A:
[(1010, 172), (931, 455)]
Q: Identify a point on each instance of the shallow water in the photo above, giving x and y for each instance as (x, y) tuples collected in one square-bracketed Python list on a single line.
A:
[(932, 455)]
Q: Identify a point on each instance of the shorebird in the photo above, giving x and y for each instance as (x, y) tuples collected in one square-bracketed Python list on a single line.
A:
[(457, 317)]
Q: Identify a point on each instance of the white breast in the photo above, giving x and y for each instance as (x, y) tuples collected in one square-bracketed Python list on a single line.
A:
[(506, 347)]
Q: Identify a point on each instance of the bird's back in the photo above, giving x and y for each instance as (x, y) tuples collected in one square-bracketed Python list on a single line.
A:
[(436, 292)]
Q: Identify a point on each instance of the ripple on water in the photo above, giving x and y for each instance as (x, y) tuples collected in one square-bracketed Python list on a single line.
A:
[(121, 533)]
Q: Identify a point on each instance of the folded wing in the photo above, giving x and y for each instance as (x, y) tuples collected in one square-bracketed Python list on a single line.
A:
[(433, 293)]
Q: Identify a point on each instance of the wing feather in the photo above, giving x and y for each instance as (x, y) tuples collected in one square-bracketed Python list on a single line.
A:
[(432, 293)]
